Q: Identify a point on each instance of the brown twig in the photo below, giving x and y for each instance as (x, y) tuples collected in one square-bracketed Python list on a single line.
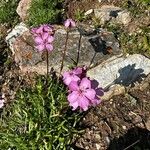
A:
[(64, 53), (132, 145), (78, 50)]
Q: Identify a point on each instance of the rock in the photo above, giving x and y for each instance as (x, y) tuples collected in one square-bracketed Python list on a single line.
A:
[(123, 17), (89, 12), (114, 90), (121, 70), (14, 34), (93, 47), (111, 13), (23, 8)]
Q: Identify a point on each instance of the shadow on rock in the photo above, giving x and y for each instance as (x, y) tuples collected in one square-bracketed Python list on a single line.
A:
[(129, 75), (99, 45), (135, 139)]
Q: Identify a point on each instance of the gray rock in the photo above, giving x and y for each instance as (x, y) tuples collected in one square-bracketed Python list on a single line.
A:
[(94, 46), (111, 13), (121, 70), (16, 32), (123, 17)]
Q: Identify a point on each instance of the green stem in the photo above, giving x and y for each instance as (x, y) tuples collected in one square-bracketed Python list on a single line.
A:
[(64, 53), (47, 62), (78, 50)]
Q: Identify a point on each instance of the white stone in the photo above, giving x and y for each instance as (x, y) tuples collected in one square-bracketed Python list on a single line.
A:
[(110, 12), (130, 68), (98, 147), (17, 31), (90, 11)]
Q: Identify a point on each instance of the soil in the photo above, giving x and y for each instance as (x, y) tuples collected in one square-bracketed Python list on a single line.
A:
[(121, 123)]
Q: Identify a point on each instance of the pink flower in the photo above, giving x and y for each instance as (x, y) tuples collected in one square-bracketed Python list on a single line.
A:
[(82, 94), (1, 103), (43, 37), (73, 75), (69, 23), (43, 28), (44, 42)]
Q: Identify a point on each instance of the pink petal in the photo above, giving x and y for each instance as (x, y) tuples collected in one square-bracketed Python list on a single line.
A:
[(33, 30), (38, 40), (50, 39), (74, 105), (40, 47), (47, 28), (77, 70), (66, 74), (75, 78), (73, 23), (95, 101), (72, 97), (49, 47), (67, 80), (73, 86), (90, 93), (83, 102), (85, 83), (45, 36), (67, 23), (39, 30)]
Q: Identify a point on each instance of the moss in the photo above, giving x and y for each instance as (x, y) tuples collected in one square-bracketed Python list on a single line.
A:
[(45, 11), (8, 11)]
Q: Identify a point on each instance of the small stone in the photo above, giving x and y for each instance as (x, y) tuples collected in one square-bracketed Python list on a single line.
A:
[(124, 127), (98, 147), (90, 11), (115, 90), (97, 136)]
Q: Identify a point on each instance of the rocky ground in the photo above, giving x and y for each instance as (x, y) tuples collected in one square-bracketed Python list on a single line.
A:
[(120, 122)]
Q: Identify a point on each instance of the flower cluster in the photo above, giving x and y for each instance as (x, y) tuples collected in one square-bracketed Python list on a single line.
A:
[(43, 37), (83, 92)]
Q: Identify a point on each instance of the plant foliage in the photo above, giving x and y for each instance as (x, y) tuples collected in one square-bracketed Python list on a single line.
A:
[(8, 11), (45, 11), (39, 119)]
